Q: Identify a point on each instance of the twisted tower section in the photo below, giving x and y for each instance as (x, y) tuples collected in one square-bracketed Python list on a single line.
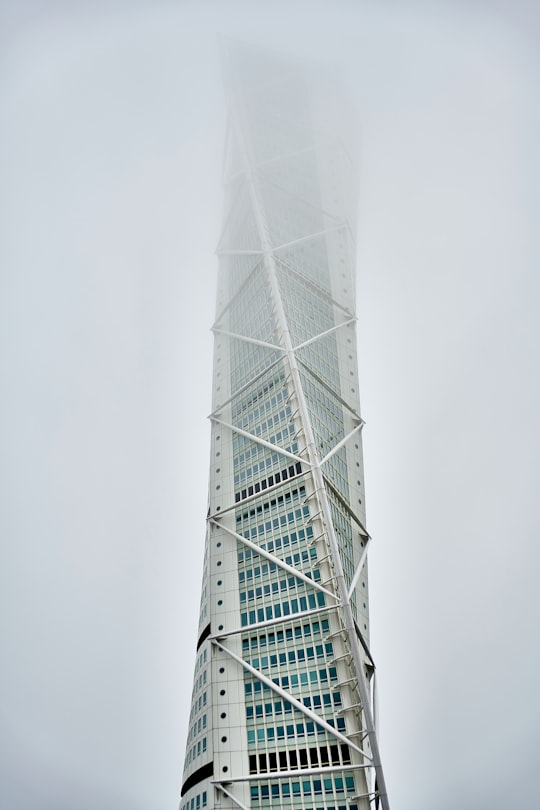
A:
[(282, 706)]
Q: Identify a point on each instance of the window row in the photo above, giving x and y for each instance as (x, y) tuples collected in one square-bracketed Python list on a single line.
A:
[(276, 502), (271, 421), (285, 474), (253, 448), (197, 705), (313, 677), (267, 462), (245, 555), (279, 707), (299, 655), (283, 609), (248, 363), (277, 384), (198, 726), (307, 630), (201, 659), (290, 759), (200, 681), (323, 361), (308, 301), (265, 408), (336, 472), (196, 803), (307, 787), (278, 586), (198, 749), (269, 735), (305, 556)]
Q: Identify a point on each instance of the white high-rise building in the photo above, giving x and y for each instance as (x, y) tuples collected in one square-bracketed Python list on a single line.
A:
[(282, 703)]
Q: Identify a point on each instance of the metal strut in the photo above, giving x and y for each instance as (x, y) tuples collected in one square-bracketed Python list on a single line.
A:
[(320, 489), (318, 482)]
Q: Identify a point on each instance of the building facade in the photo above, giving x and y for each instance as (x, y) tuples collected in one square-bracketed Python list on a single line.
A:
[(282, 704)]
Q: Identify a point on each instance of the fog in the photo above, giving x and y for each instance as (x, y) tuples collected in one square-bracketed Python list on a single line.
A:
[(113, 123)]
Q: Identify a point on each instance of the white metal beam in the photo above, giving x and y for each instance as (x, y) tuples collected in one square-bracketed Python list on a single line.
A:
[(286, 265), (246, 339), (325, 333), (245, 387), (292, 617), (358, 570), (292, 700), (272, 558), (333, 393), (262, 492), (267, 775), (344, 441), (258, 440), (224, 790)]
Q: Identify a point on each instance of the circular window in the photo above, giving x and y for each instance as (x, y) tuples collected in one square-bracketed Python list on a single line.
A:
[(218, 563), (222, 670), (219, 582), (223, 715), (220, 602), (224, 739), (225, 769), (222, 692), (220, 627)]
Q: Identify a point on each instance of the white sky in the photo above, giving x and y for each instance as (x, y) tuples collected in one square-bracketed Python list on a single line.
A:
[(111, 139)]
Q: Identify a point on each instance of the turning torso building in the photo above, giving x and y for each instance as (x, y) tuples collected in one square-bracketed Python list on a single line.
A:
[(282, 712)]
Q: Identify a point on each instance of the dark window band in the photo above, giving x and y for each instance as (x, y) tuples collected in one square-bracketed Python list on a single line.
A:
[(204, 635), (277, 478), (198, 776)]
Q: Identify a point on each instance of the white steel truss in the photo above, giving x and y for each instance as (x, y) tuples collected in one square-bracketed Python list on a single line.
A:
[(315, 463), (336, 591)]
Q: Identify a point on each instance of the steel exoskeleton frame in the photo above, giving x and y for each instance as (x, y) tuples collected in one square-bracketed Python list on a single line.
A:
[(341, 594)]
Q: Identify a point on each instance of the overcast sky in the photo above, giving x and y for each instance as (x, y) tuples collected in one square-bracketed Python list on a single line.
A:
[(111, 140)]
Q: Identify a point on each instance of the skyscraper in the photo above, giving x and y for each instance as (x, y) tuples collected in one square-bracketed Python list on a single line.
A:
[(282, 703)]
